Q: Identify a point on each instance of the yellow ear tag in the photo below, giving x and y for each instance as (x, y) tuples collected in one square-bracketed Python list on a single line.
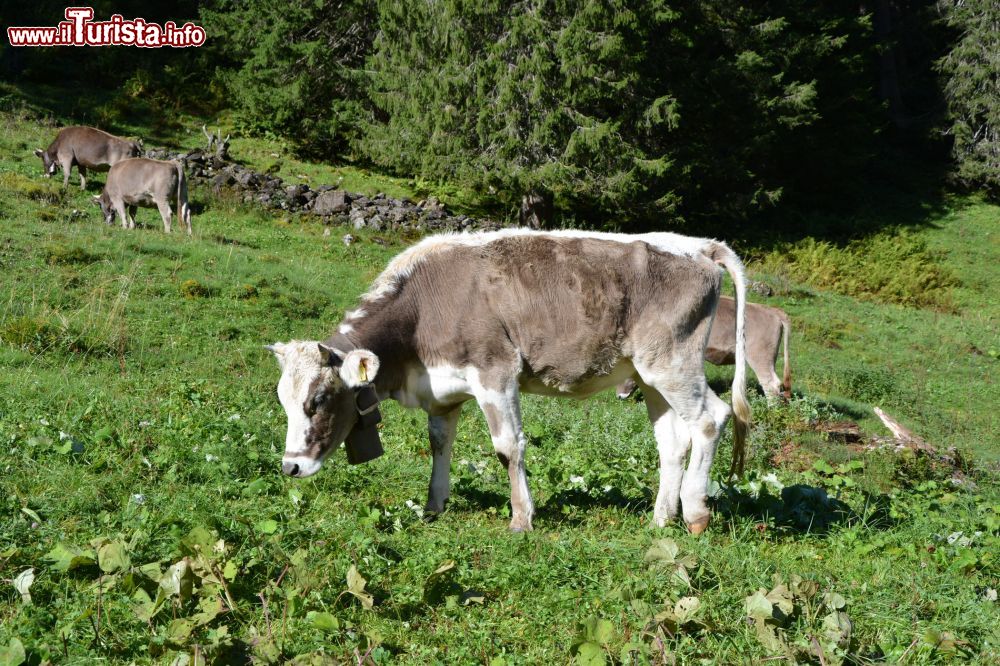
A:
[(363, 372)]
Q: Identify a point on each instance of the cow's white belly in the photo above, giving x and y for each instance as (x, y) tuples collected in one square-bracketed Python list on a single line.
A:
[(441, 387), (622, 370), (432, 388)]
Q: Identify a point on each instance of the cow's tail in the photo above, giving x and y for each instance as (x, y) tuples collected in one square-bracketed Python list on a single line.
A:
[(183, 210), (725, 257), (786, 380)]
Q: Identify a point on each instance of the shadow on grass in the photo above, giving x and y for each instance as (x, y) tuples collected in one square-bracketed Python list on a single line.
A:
[(800, 509)]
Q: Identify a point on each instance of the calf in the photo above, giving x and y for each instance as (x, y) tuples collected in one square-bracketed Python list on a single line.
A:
[(488, 316), (87, 148), (144, 182), (766, 328)]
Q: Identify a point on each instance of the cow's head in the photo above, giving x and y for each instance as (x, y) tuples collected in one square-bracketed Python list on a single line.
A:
[(319, 389), (49, 164), (104, 201)]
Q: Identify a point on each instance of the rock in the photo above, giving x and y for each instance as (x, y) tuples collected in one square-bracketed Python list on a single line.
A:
[(762, 288), (222, 181), (326, 232), (376, 223), (247, 179), (348, 239), (329, 202)]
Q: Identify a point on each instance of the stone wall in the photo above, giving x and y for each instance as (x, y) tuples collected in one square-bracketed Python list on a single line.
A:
[(332, 205)]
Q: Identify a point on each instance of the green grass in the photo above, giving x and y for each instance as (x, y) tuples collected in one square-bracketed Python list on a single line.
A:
[(137, 409)]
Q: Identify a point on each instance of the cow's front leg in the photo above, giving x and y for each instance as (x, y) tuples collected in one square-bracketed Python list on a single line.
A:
[(503, 416), (122, 210), (67, 166), (441, 429)]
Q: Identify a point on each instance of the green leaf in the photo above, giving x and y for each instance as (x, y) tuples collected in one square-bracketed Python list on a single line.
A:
[(323, 621), (112, 557), (823, 467), (441, 583), (209, 608), (199, 539), (230, 570), (31, 514), (837, 628), (759, 607), (146, 608), (269, 526), (662, 552), (834, 601), (12, 654), (178, 580), (589, 654), (179, 630), (686, 608), (598, 629), (65, 557)]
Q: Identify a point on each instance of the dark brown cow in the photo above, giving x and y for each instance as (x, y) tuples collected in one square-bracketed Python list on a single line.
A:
[(489, 316), (86, 148), (766, 328), (144, 182)]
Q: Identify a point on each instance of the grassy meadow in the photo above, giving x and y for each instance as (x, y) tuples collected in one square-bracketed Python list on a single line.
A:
[(144, 519)]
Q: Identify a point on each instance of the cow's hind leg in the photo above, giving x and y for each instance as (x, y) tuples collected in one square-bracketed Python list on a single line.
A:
[(672, 443), (503, 416), (166, 214), (704, 414), (83, 176), (441, 429)]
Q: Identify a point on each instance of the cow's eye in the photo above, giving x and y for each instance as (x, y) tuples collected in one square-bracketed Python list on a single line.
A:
[(318, 401)]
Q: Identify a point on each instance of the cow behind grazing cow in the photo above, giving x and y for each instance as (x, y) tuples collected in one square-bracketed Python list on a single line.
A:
[(488, 316), (766, 328), (86, 148), (145, 182)]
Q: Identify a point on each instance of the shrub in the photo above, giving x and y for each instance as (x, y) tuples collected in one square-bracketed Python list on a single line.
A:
[(889, 267), (194, 289)]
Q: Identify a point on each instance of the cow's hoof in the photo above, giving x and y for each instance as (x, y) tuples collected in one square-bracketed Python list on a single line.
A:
[(698, 526), (517, 529)]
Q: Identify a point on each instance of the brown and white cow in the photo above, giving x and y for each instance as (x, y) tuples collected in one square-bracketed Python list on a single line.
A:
[(145, 182), (487, 316), (86, 148), (766, 328)]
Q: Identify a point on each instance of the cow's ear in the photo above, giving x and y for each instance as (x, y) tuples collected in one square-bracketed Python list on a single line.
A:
[(330, 356), (39, 152), (359, 368)]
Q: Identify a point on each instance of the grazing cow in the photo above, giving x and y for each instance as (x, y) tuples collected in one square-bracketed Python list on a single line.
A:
[(87, 148), (487, 316), (144, 182), (766, 328)]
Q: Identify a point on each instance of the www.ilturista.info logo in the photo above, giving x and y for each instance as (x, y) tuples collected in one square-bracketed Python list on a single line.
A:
[(79, 30)]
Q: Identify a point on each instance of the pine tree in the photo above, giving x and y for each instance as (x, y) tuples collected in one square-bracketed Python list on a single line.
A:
[(972, 87)]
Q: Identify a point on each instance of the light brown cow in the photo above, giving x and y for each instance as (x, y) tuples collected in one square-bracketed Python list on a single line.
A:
[(766, 328), (487, 316), (86, 148), (144, 182)]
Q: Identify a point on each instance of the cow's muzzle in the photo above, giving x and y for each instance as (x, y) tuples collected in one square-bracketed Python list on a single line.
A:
[(290, 468)]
